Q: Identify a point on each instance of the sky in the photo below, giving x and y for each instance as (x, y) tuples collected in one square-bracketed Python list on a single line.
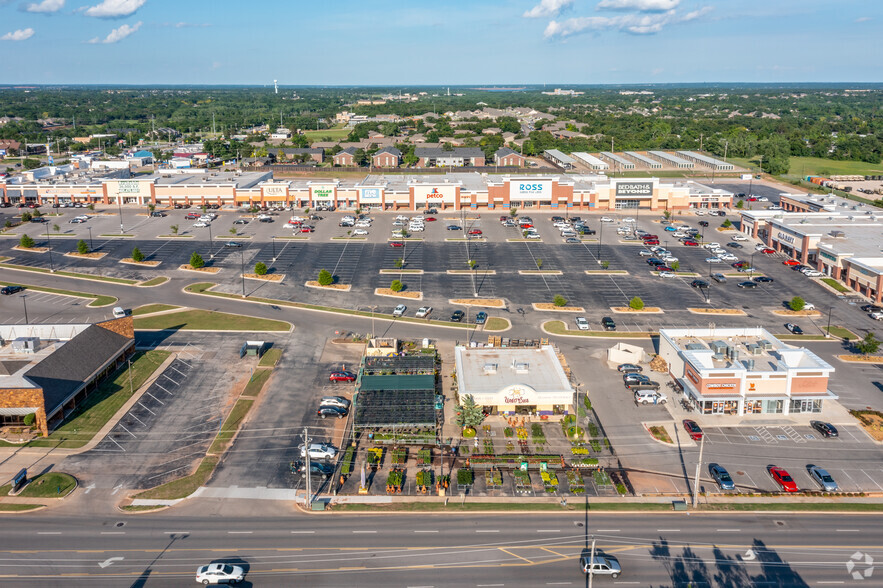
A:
[(444, 42)]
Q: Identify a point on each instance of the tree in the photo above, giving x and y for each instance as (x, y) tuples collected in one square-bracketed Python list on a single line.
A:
[(513, 212), (469, 414), (260, 268), (56, 229), (539, 263), (82, 247), (400, 263), (37, 213), (26, 217), (740, 203), (26, 242), (605, 264), (472, 263), (667, 214), (396, 286), (151, 208), (797, 303), (196, 261), (675, 265), (325, 278), (137, 255), (636, 303), (868, 345), (29, 419), (30, 163), (559, 301), (174, 229), (727, 224)]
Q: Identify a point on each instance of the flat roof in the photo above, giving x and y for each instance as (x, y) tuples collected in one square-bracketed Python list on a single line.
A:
[(487, 370)]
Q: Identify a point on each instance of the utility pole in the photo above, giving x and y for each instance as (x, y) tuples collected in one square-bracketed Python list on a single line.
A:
[(828, 330), (242, 270), (592, 562), (24, 301), (309, 497), (49, 243), (698, 468)]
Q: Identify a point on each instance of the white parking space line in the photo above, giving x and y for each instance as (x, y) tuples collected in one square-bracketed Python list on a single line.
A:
[(128, 431), (302, 532), (155, 398), (115, 443), (872, 480), (854, 483), (147, 409)]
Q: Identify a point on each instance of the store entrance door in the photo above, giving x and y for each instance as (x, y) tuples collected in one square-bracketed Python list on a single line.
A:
[(525, 408)]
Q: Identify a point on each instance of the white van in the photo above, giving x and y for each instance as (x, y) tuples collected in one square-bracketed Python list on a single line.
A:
[(119, 312)]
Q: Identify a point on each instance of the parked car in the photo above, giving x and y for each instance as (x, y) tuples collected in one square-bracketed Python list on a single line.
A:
[(608, 324), (7, 290), (794, 328), (650, 397), (747, 285), (200, 225), (423, 311), (453, 227), (339, 401), (457, 316), (763, 280), (600, 565), (317, 468), (396, 244), (572, 240), (331, 411), (699, 284), (358, 232), (720, 278), (713, 260), (481, 318), (781, 477), (693, 429), (240, 221), (76, 221), (629, 368), (791, 262), (342, 377), (634, 378), (767, 251), (825, 429), (821, 477), (324, 451), (691, 243), (581, 323), (399, 310), (219, 573), (646, 384), (721, 477), (475, 232), (734, 245)]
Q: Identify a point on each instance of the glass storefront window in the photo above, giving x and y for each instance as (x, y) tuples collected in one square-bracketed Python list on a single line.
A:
[(773, 406), (803, 406)]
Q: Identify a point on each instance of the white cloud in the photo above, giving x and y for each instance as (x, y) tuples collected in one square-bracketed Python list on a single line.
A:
[(46, 6), (548, 8), (863, 19), (19, 35), (117, 35), (114, 8), (636, 24), (639, 5)]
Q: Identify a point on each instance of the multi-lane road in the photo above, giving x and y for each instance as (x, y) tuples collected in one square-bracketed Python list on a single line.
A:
[(473, 550)]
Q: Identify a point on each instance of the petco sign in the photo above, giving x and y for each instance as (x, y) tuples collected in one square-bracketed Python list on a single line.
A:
[(521, 190), (369, 195), (434, 194), (634, 189)]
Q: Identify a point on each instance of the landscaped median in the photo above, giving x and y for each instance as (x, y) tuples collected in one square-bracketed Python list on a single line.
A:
[(206, 270), (410, 294), (204, 289), (727, 311), (130, 261), (797, 313), (560, 328), (275, 278), (337, 287), (629, 310), (153, 308), (481, 302), (540, 272), (477, 272), (66, 274), (48, 485), (93, 256), (497, 324), (604, 272), (98, 300), (555, 308), (208, 320), (402, 271)]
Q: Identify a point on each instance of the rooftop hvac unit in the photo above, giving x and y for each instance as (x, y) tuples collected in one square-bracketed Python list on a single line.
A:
[(765, 345), (719, 347), (754, 349), (734, 354), (490, 368), (25, 344), (749, 365), (521, 367)]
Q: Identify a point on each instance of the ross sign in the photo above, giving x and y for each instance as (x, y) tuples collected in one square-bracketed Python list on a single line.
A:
[(785, 237), (370, 195), (530, 189), (634, 189), (129, 187), (321, 193)]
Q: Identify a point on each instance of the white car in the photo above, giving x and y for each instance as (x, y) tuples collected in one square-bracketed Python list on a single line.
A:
[(416, 228), (628, 220), (719, 250), (363, 225), (401, 217), (774, 207), (562, 225), (813, 274), (739, 237), (399, 310), (534, 236), (699, 212), (325, 451), (650, 397), (678, 234), (219, 573), (667, 275), (877, 316), (763, 199), (607, 219), (360, 232), (760, 247), (712, 245), (399, 223), (582, 324), (338, 401), (646, 253), (809, 306), (713, 260), (728, 257), (418, 218), (200, 224), (423, 311), (670, 259)]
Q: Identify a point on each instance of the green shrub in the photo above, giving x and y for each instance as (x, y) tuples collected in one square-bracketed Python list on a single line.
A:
[(396, 286), (325, 278), (727, 224), (29, 419), (82, 247), (797, 303), (196, 260), (260, 268), (636, 303), (559, 301), (137, 255), (26, 241)]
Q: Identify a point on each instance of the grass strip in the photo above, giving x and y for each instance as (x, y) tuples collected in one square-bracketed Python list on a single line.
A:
[(501, 506), (88, 418), (150, 308), (257, 381), (792, 337), (835, 284), (843, 333), (795, 506), (154, 282), (99, 299), (270, 357), (182, 487), (559, 328), (208, 320), (496, 324), (43, 270), (141, 507), (49, 485), (17, 507), (116, 235), (231, 424), (205, 289)]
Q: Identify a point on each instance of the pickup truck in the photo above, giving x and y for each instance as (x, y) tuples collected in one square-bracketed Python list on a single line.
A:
[(648, 385)]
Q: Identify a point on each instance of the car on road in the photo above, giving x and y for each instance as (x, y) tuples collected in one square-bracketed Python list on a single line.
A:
[(7, 290), (872, 308), (331, 411), (232, 244), (877, 316), (582, 323), (339, 401), (670, 229), (219, 573), (747, 285), (481, 318), (396, 244), (325, 451), (423, 311), (629, 368), (342, 377), (824, 429), (791, 262), (821, 477), (739, 237), (812, 273), (703, 223), (781, 477), (650, 397), (608, 324), (721, 477), (699, 284), (453, 227), (794, 329), (457, 316), (317, 468), (720, 278), (693, 429), (600, 565)]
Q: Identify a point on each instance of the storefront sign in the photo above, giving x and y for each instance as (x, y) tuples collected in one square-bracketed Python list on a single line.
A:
[(785, 237), (369, 195), (689, 373), (634, 189), (435, 194), (532, 189), (280, 190), (129, 187), (718, 386), (322, 193)]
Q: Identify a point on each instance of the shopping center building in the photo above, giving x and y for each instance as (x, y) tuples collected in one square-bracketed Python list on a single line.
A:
[(452, 191), (745, 371)]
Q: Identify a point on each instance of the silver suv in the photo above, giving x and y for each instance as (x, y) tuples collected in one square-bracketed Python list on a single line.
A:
[(324, 451), (601, 565), (650, 397)]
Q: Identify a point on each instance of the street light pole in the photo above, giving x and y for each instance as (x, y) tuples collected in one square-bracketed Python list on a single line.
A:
[(91, 245), (242, 270), (274, 248), (698, 468), (120, 206), (49, 242), (24, 300), (592, 562), (211, 248), (828, 330)]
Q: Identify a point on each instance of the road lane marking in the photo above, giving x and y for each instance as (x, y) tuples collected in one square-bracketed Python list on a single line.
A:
[(548, 530), (729, 530), (364, 531), (304, 532), (113, 532), (847, 530), (487, 530), (176, 532), (608, 531), (425, 531), (668, 530), (240, 532), (831, 582), (558, 583), (48, 532), (487, 585), (516, 555)]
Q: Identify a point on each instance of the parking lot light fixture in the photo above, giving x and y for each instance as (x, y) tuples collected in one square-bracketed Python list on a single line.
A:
[(211, 248), (24, 301), (49, 242), (91, 246), (242, 270)]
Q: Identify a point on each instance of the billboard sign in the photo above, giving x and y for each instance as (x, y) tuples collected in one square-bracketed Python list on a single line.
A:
[(530, 189), (633, 189)]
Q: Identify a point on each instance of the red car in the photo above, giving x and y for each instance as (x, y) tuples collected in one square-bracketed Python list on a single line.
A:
[(768, 251), (791, 262), (475, 232), (664, 268), (307, 229), (651, 242), (504, 218), (430, 219), (342, 377), (526, 226), (782, 478), (396, 244), (752, 199), (739, 264), (693, 430), (646, 237), (691, 243)]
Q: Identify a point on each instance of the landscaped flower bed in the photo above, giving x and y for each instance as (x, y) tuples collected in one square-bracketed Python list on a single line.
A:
[(424, 456), (536, 431), (443, 481), (347, 463), (522, 482), (424, 480), (601, 478), (575, 482), (579, 450), (488, 447), (375, 456)]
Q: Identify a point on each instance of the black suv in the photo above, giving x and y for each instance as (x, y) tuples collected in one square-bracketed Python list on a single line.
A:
[(608, 324), (457, 316), (699, 284), (317, 468), (7, 290), (331, 411)]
